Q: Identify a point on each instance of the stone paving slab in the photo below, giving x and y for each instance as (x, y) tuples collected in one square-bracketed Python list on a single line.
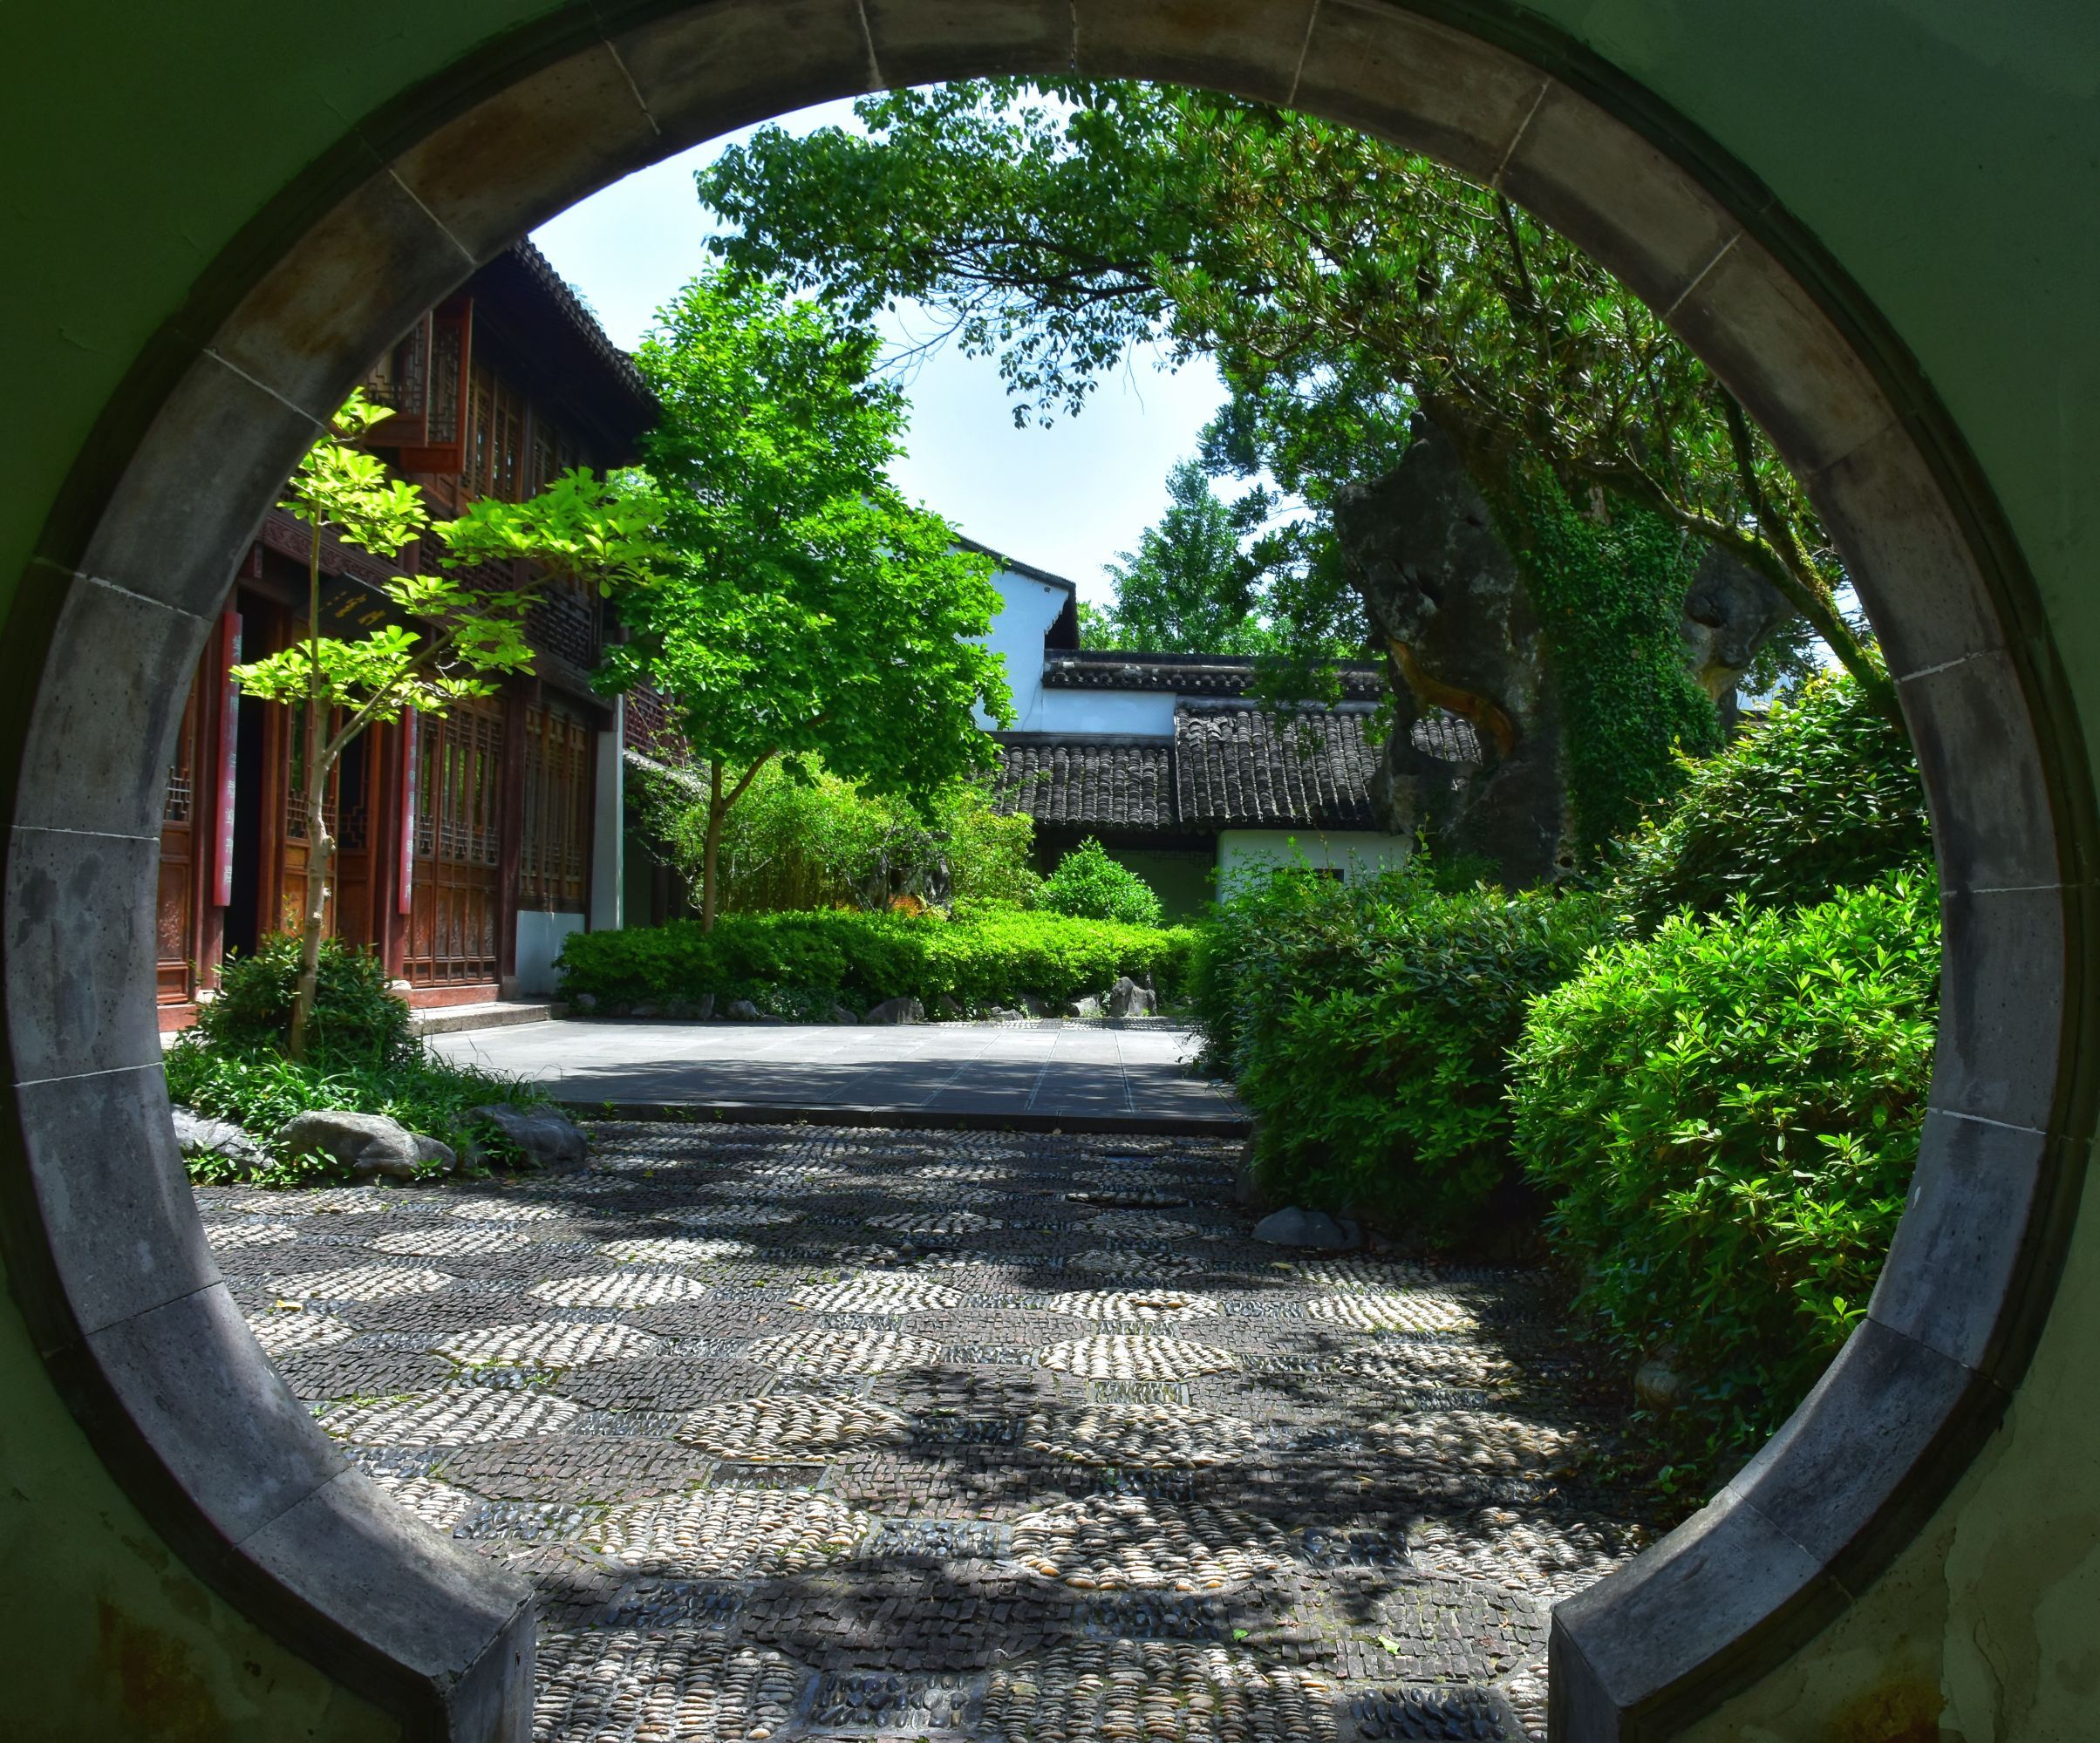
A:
[(827, 1432), (1039, 1069)]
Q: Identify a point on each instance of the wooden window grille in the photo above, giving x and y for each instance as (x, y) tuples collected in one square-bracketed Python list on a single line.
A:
[(555, 862), (459, 790)]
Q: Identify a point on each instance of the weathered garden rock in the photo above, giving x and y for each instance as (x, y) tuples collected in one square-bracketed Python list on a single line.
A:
[(646, 1008), (897, 1010), (1007, 1013), (583, 1004), (1731, 611), (1657, 1383), (365, 1144), (195, 1135), (1089, 1006), (948, 1010), (430, 1150), (839, 1013), (549, 1138), (1298, 1228), (1034, 1005), (1128, 999), (741, 1011)]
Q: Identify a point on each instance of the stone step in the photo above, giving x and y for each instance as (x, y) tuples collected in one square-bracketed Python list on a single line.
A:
[(501, 1013)]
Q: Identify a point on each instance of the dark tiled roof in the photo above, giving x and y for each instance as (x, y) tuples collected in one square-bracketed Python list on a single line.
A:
[(556, 288), (1104, 782), (1230, 765), (1237, 765), (1185, 674)]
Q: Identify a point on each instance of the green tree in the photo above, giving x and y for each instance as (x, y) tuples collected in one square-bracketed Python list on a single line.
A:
[(813, 613), (458, 637), (1186, 587), (1339, 282)]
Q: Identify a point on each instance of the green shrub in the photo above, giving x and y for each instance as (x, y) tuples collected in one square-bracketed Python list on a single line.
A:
[(1376, 1063), (1727, 1115), (260, 1090), (1821, 796), (356, 1020), (797, 964), (1088, 885)]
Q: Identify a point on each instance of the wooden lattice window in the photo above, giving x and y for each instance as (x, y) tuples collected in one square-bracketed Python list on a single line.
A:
[(496, 446), (459, 790), (554, 864)]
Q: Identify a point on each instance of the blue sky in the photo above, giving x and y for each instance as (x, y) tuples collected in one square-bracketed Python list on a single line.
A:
[(1066, 498)]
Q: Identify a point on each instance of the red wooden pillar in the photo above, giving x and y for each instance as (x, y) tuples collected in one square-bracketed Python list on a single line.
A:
[(222, 738)]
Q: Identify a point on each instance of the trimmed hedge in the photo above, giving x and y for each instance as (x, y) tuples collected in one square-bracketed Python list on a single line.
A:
[(1367, 1025), (1088, 885), (797, 964), (1725, 1116), (1822, 796)]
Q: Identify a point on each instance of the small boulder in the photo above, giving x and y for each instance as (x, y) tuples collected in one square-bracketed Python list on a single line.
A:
[(648, 1007), (741, 1011), (838, 1013), (1657, 1383), (1294, 1227), (1128, 999), (549, 1138), (583, 1004), (365, 1144), (705, 1008), (195, 1135), (948, 1010), (1089, 1006), (897, 1010), (429, 1150), (1035, 1006), (1006, 1014)]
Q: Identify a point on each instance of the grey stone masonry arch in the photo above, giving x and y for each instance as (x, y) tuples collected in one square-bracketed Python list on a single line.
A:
[(130, 1312)]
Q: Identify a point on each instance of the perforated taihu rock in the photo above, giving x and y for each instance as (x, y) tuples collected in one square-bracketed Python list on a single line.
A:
[(359, 1282), (549, 1343), (843, 1352), (786, 1428), (456, 1415), (1136, 1358), (628, 1289), (876, 1292)]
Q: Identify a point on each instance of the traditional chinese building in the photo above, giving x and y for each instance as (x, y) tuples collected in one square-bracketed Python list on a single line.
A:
[(470, 846), (1168, 761)]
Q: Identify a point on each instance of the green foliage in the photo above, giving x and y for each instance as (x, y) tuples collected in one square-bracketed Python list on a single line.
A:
[(1185, 588), (1822, 795), (1088, 885), (1367, 1025), (812, 840), (1610, 599), (796, 964), (357, 1022), (1726, 1116), (1339, 282), (260, 1090)]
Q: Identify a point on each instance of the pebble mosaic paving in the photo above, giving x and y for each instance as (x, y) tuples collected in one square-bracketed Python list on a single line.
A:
[(826, 1433)]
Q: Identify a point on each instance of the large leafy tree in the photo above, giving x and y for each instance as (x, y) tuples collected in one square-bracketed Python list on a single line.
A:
[(455, 636), (1341, 283), (813, 613), (1187, 588)]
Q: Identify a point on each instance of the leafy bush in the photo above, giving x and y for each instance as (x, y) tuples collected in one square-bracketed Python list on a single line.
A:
[(1366, 1024), (356, 1020), (1822, 796), (1727, 1115), (1088, 885), (796, 842), (260, 1090), (796, 964)]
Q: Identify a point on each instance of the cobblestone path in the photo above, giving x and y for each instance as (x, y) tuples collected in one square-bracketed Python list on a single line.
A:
[(809, 1433)]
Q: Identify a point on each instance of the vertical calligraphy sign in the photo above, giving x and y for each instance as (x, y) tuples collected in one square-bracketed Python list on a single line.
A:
[(409, 765), (229, 756)]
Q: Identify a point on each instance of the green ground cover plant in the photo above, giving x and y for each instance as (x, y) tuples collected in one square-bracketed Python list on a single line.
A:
[(1088, 885), (797, 965), (1725, 1116), (362, 1056)]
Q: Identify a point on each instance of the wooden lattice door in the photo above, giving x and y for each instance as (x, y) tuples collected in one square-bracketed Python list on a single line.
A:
[(455, 904)]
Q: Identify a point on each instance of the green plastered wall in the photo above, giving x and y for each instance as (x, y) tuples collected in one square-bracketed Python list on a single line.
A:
[(1947, 154)]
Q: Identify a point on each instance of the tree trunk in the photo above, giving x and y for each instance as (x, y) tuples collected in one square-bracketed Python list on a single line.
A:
[(320, 851), (711, 852)]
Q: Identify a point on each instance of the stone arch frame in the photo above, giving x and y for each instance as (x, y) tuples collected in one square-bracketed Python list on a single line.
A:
[(129, 1310)]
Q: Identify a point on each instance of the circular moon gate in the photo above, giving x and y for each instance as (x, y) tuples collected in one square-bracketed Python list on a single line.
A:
[(104, 1243)]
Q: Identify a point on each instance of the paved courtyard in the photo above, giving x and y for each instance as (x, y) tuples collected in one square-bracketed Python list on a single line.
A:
[(816, 1432), (1051, 1067)]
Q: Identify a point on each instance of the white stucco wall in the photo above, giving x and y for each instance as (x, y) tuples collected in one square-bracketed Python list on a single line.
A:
[(608, 831), (1255, 853), (540, 940), (1028, 610), (1146, 713)]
